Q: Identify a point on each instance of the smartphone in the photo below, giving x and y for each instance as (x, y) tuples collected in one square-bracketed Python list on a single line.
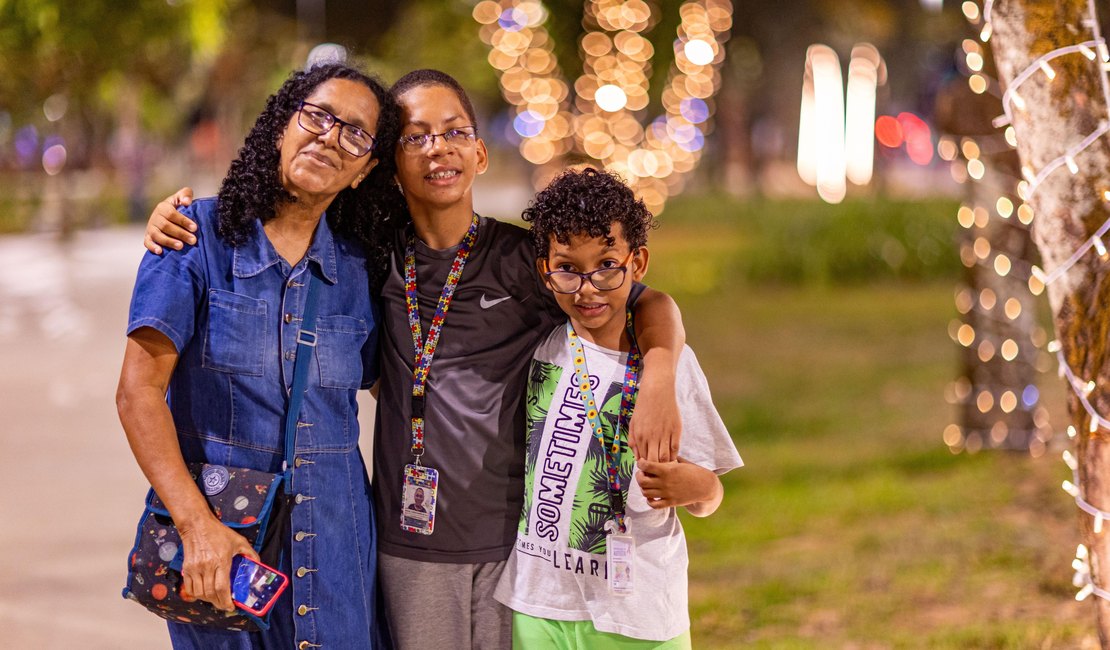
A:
[(255, 587)]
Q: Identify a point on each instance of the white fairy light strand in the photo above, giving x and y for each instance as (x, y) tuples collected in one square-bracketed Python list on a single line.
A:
[(1083, 577), (1094, 241), (1072, 488), (1096, 31), (1082, 389), (1068, 158), (1040, 64)]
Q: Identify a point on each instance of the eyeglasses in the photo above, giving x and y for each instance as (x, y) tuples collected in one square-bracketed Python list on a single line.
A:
[(606, 279), (319, 121), (460, 136)]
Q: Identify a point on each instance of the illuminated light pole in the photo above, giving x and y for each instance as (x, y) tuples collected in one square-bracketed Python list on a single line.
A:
[(807, 129), (859, 126), (836, 145), (828, 133)]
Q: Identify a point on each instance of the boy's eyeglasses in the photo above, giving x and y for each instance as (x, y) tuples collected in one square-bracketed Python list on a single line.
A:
[(460, 136), (602, 279), (319, 121)]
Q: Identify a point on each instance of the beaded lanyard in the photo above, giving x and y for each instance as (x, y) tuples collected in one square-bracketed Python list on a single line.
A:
[(628, 402), (426, 350)]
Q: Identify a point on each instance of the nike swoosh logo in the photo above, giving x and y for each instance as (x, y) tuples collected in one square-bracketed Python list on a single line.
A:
[(487, 303)]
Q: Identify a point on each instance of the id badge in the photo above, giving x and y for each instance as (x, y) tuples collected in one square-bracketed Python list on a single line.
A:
[(418, 499), (620, 555)]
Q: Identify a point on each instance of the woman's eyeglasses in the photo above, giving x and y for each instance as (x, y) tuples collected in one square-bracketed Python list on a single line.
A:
[(319, 121)]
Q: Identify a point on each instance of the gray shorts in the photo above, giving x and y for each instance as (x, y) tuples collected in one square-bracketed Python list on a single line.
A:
[(444, 606)]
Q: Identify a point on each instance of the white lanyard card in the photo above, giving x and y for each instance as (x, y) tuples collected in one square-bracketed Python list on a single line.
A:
[(418, 499), (620, 555)]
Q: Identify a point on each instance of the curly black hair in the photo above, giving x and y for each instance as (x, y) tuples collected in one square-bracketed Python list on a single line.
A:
[(586, 201), (428, 77), (367, 214)]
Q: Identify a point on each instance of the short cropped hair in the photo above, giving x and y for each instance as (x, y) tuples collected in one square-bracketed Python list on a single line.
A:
[(427, 77), (587, 201)]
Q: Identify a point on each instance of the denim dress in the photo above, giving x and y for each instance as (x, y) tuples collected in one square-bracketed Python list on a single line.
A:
[(233, 314)]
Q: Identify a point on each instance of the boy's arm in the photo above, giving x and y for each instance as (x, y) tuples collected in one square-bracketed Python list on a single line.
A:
[(656, 425), (168, 227), (680, 483)]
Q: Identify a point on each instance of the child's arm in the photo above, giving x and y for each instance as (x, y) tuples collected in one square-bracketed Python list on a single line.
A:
[(656, 425), (680, 483)]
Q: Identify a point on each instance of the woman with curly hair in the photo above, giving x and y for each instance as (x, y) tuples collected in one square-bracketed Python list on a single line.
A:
[(467, 393), (216, 325)]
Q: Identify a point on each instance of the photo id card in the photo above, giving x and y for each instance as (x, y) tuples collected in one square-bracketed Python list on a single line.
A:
[(418, 499), (620, 555)]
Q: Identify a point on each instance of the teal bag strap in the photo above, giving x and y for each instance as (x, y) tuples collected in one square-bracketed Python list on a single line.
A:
[(306, 341)]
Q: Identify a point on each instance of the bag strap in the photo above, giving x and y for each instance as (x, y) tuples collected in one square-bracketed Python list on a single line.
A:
[(306, 340)]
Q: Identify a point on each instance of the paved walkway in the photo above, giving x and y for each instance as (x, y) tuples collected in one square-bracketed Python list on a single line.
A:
[(70, 491)]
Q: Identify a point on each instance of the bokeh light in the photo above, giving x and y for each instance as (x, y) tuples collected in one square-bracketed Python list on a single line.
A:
[(888, 131), (610, 98), (601, 121), (53, 156), (26, 144), (698, 52)]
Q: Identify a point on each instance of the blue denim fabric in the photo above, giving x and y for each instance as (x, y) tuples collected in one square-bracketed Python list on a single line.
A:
[(233, 315)]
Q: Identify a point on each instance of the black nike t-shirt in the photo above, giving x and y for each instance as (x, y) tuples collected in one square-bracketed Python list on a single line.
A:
[(474, 415)]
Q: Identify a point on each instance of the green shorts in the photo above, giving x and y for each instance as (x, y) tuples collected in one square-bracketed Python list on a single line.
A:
[(531, 633)]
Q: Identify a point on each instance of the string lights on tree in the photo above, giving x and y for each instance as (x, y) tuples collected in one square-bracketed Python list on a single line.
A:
[(1093, 49), (1001, 355), (600, 115)]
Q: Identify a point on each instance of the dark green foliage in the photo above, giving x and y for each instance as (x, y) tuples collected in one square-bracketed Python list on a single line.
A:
[(809, 242)]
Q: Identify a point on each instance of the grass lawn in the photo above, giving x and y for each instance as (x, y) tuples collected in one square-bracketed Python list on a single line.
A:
[(852, 525)]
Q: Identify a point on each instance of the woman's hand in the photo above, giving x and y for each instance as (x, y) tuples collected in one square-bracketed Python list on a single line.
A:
[(209, 548), (167, 226), (679, 483), (208, 545)]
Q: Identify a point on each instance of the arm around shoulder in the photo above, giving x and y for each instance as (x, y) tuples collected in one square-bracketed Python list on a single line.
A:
[(656, 427)]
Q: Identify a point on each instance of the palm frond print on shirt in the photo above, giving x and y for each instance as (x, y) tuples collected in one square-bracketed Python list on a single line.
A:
[(591, 508), (543, 379)]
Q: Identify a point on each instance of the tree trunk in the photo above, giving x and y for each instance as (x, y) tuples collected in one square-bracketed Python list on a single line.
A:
[(1051, 117), (999, 364)]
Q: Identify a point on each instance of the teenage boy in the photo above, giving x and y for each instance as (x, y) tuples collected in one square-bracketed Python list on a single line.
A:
[(600, 560), (460, 411)]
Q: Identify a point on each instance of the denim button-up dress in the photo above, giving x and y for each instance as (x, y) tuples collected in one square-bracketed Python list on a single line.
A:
[(233, 314)]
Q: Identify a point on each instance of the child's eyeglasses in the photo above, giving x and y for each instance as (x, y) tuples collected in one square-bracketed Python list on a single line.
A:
[(602, 279), (457, 137)]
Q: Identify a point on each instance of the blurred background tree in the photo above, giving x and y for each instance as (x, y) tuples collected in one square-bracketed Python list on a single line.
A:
[(120, 102), (90, 84)]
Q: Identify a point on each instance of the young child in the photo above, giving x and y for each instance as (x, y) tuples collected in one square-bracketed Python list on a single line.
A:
[(600, 559), (473, 418)]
